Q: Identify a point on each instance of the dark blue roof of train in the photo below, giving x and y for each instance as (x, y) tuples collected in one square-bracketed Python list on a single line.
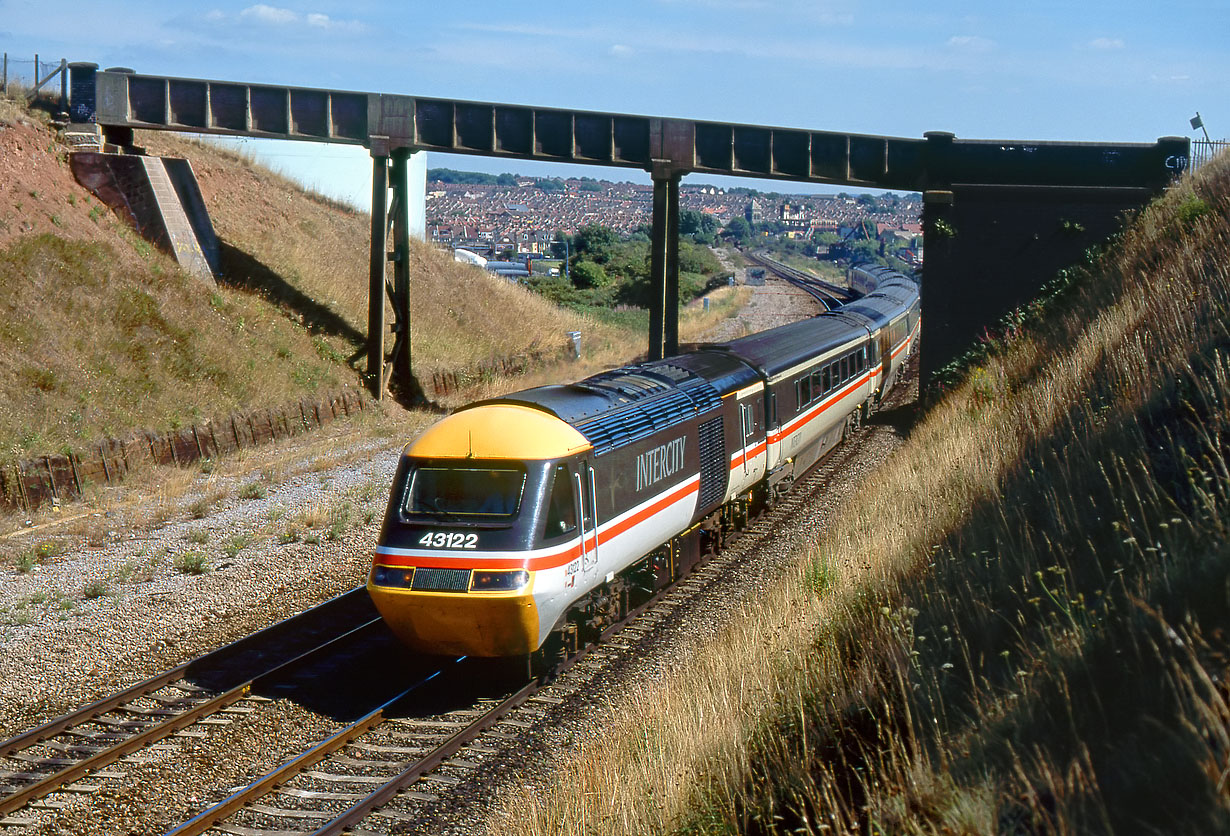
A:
[(780, 348), (623, 405)]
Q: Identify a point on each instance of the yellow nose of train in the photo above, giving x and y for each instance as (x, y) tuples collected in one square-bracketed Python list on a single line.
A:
[(458, 568)]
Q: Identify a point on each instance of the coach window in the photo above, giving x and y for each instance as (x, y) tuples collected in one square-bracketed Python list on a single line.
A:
[(826, 380), (561, 508), (817, 385), (802, 389)]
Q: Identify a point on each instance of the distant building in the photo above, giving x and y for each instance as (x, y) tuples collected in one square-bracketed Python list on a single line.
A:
[(468, 257)]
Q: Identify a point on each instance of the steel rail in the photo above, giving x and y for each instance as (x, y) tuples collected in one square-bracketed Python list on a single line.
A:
[(267, 783), (824, 292), (161, 730)]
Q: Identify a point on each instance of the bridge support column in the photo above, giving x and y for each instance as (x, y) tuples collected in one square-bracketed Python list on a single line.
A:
[(390, 222), (376, 265), (664, 265)]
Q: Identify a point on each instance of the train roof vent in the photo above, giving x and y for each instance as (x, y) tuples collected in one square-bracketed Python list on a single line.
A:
[(702, 393), (638, 420), (627, 383)]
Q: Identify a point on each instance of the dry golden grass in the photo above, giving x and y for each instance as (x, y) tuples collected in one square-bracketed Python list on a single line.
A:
[(1019, 627), (103, 335), (460, 315)]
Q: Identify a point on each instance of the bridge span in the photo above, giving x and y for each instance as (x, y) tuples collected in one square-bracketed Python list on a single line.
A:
[(1000, 216)]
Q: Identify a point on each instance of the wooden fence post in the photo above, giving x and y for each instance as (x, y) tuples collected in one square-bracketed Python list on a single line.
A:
[(5, 83)]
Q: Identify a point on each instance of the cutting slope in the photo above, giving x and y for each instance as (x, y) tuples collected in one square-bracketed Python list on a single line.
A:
[(101, 334)]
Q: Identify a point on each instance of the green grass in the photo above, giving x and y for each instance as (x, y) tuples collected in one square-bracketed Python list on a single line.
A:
[(253, 490)]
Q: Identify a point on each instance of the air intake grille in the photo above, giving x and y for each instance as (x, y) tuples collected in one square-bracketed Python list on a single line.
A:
[(642, 418), (441, 580), (713, 469)]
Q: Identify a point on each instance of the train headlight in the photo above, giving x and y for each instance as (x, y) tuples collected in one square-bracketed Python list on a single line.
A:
[(393, 576), (499, 581)]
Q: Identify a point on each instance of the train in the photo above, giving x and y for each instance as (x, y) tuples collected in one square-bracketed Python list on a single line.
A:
[(526, 524)]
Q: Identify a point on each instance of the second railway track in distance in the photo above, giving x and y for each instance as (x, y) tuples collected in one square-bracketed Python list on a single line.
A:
[(826, 293)]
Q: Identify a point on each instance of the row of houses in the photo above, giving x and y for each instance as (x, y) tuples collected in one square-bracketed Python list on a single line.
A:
[(495, 220)]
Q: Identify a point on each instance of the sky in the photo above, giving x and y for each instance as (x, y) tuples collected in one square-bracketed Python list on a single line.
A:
[(1126, 71)]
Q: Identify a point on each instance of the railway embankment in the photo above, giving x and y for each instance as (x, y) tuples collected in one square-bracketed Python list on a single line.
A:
[(105, 337), (1020, 624)]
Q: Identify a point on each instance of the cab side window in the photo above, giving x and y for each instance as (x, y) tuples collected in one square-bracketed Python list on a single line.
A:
[(561, 507)]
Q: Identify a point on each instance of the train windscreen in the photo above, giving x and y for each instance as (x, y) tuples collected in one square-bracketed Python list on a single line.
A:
[(458, 491)]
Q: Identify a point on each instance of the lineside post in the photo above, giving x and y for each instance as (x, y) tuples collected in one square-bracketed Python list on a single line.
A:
[(664, 264), (402, 377), (379, 247)]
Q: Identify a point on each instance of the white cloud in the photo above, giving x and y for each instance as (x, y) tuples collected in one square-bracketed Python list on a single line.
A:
[(971, 43), (288, 18), (1106, 43), (620, 50), (269, 14)]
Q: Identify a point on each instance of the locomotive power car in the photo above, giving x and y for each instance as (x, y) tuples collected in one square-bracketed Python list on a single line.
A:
[(542, 515)]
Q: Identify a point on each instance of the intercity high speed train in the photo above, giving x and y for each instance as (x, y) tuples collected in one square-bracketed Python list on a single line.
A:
[(538, 518)]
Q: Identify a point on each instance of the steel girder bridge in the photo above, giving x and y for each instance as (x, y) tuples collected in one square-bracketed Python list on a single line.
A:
[(392, 127)]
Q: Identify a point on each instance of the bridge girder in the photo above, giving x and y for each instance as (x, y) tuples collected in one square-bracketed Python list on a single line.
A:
[(393, 126)]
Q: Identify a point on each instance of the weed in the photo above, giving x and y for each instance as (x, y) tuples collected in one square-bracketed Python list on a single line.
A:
[(95, 589), (133, 572), (200, 508), (236, 544), (191, 563), (252, 490), (197, 536), (38, 554)]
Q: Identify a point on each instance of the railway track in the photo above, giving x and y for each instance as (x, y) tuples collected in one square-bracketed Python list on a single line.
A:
[(825, 293), (209, 689)]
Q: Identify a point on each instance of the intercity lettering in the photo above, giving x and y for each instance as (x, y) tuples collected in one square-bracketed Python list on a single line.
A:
[(656, 464)]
